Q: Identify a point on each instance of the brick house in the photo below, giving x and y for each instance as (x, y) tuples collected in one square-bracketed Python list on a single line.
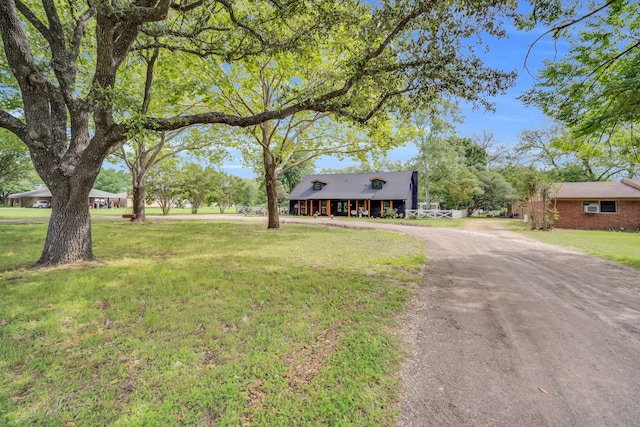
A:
[(597, 205)]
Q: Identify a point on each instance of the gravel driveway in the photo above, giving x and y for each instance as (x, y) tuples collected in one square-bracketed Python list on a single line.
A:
[(508, 331)]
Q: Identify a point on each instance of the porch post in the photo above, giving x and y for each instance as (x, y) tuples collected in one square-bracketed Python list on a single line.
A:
[(328, 207), (349, 208)]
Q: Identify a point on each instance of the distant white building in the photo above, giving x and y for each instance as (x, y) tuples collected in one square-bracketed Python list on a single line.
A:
[(97, 198)]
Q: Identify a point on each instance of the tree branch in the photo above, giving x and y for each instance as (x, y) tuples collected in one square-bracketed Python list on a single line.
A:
[(610, 61), (186, 7), (55, 26), (78, 32), (317, 105), (33, 19), (374, 109), (303, 125), (63, 63), (153, 152), (155, 32), (229, 8), (557, 29), (129, 23), (397, 29), (148, 82), (139, 14), (32, 83), (322, 152), (173, 48), (14, 125)]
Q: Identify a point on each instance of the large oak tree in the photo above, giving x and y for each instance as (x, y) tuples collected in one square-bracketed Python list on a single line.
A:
[(276, 147), (63, 61)]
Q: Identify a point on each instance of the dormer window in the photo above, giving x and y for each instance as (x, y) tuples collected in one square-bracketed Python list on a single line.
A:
[(317, 185), (377, 183)]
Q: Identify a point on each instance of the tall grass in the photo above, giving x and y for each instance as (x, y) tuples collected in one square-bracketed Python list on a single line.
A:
[(204, 323)]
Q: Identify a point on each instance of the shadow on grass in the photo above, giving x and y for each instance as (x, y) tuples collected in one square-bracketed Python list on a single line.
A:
[(206, 323)]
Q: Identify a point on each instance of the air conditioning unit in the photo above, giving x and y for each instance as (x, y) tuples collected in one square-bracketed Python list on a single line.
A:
[(591, 207)]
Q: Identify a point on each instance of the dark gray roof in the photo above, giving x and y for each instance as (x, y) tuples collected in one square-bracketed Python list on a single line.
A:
[(355, 186), (625, 189)]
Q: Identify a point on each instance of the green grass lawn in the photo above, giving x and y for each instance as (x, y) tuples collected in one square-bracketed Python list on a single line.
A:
[(204, 323), (623, 247), (26, 213), (20, 213)]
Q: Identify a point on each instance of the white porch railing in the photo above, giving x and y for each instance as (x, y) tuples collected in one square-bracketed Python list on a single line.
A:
[(434, 214)]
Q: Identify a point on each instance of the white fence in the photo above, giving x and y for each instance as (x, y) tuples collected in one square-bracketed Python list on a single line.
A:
[(434, 214)]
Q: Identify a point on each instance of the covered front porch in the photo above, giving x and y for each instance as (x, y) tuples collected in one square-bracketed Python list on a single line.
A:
[(348, 208)]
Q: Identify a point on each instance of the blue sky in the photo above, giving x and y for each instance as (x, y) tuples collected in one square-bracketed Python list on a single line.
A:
[(510, 117)]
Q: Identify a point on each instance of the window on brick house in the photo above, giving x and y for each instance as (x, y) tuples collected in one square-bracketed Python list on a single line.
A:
[(608, 206)]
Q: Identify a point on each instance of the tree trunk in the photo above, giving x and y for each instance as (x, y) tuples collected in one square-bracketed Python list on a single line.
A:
[(139, 196), (532, 213), (69, 233), (271, 184), (165, 204)]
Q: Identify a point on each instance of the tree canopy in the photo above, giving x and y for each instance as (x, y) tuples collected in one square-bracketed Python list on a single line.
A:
[(112, 180), (66, 96), (593, 89), (438, 155)]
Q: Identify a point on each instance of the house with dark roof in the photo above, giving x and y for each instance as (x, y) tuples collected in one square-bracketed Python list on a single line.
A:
[(355, 194), (97, 198), (597, 205)]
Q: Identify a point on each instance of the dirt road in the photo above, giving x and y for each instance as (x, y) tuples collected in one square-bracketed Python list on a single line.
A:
[(507, 331)]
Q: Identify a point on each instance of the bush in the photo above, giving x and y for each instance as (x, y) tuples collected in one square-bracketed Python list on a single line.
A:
[(390, 213)]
